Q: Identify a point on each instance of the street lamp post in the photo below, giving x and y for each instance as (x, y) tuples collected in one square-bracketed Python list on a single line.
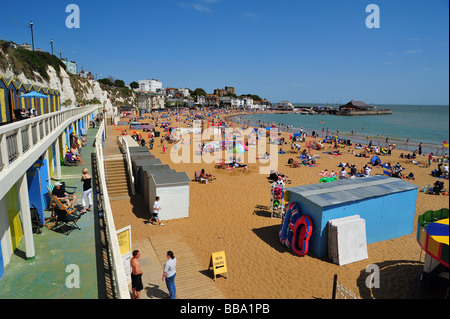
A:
[(32, 36)]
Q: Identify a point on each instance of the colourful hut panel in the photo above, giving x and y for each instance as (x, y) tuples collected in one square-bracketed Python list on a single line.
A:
[(4, 102), (433, 233)]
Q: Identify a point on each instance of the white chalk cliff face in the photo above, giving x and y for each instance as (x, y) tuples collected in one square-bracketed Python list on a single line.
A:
[(63, 84)]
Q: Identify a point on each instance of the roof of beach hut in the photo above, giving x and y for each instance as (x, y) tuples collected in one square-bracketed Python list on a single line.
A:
[(350, 190)]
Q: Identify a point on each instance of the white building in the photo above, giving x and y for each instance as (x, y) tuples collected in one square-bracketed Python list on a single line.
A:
[(184, 91), (247, 102), (71, 66), (234, 102), (150, 101), (150, 86)]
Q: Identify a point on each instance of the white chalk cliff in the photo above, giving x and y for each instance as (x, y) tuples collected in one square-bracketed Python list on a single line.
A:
[(87, 89)]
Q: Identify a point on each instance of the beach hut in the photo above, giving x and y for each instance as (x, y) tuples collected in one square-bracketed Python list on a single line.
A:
[(386, 204), (138, 149), (5, 116), (432, 234), (141, 156), (57, 100), (44, 101), (173, 189), (21, 102), (31, 101), (150, 169), (139, 162), (12, 99), (51, 101)]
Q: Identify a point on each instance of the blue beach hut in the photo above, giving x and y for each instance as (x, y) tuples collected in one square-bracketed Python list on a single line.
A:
[(386, 204)]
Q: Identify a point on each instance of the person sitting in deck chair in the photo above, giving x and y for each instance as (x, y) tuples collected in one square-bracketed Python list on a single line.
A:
[(206, 177), (61, 194), (70, 160), (76, 154)]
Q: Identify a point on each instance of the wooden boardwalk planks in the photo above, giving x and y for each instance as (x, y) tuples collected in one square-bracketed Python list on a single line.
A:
[(193, 281)]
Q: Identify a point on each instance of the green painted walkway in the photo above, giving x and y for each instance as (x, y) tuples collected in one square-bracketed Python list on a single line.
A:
[(59, 257)]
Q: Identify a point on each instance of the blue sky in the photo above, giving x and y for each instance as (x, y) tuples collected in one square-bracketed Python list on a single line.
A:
[(303, 51)]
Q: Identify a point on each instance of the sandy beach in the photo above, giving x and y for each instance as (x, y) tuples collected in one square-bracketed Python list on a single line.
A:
[(232, 214)]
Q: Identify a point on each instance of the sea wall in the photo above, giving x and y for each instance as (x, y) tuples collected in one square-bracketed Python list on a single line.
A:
[(364, 113)]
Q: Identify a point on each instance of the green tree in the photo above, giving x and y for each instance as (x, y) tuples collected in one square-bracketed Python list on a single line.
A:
[(119, 83), (198, 92), (134, 85), (106, 81), (254, 97)]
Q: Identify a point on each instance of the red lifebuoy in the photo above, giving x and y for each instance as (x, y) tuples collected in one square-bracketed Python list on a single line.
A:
[(302, 234)]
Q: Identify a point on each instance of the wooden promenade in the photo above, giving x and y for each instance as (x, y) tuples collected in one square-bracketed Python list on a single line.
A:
[(193, 280)]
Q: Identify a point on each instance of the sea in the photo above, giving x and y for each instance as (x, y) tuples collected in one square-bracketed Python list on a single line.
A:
[(407, 127)]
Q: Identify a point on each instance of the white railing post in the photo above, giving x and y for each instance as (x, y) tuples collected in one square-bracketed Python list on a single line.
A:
[(19, 142), (30, 136), (4, 151)]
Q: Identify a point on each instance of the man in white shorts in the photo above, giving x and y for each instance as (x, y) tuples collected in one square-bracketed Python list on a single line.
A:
[(155, 216)]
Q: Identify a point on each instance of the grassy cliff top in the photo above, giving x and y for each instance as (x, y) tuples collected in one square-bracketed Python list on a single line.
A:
[(28, 62)]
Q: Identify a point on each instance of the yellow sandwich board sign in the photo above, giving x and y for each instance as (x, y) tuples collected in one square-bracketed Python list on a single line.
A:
[(219, 264)]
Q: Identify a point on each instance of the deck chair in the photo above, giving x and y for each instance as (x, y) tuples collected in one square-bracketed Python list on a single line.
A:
[(199, 179), (62, 217), (70, 164), (49, 191)]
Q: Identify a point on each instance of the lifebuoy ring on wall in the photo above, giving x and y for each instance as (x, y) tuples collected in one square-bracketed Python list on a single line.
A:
[(285, 235), (302, 234)]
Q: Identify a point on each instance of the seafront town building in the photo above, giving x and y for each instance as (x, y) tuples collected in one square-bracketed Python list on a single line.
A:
[(71, 66), (225, 92), (150, 86), (150, 101)]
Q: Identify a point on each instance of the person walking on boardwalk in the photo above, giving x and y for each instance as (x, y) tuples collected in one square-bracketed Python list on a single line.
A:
[(136, 275), (170, 271), (87, 190), (155, 215)]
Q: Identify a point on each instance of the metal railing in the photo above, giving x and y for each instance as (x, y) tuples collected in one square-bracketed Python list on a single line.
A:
[(342, 292), (120, 282), (17, 138), (126, 150), (23, 142)]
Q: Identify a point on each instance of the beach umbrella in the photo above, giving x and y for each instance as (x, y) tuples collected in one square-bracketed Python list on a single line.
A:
[(34, 94)]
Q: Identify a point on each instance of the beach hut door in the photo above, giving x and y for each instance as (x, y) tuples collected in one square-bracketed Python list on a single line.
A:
[(12, 105)]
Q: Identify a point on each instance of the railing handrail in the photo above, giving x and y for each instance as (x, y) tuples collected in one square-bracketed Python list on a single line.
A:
[(10, 171), (124, 145), (23, 123), (118, 269)]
